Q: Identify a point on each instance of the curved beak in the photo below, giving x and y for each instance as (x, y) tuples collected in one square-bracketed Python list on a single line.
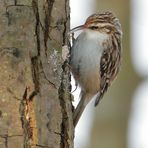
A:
[(77, 29)]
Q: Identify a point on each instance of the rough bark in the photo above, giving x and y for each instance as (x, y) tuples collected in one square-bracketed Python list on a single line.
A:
[(35, 100)]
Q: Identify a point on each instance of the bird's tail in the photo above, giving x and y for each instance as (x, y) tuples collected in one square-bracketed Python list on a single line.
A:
[(84, 99)]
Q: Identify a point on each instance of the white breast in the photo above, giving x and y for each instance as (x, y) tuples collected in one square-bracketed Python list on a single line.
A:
[(86, 53)]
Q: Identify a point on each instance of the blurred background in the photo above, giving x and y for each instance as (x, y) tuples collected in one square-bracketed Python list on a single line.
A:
[(121, 119)]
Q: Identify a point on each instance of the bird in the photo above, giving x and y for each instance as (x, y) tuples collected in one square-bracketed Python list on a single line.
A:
[(95, 57)]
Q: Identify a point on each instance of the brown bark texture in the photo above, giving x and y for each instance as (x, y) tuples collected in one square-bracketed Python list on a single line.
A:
[(35, 99)]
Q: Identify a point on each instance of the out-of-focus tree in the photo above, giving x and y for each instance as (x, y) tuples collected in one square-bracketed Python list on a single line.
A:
[(110, 125)]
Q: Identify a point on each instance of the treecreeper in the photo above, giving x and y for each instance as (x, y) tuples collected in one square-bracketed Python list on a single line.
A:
[(95, 57)]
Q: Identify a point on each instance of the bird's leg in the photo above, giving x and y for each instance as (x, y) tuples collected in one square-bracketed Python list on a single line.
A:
[(72, 38), (80, 108)]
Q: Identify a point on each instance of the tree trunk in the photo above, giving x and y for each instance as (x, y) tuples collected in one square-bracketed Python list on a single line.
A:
[(35, 100)]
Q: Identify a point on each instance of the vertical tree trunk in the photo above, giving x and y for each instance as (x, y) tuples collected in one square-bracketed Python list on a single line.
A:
[(35, 100)]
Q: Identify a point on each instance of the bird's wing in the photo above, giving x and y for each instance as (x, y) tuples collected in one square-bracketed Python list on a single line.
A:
[(109, 65)]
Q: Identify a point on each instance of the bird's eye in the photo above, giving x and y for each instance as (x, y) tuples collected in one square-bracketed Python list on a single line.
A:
[(93, 27)]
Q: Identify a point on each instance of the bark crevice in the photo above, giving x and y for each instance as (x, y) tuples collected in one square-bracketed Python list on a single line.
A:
[(47, 21)]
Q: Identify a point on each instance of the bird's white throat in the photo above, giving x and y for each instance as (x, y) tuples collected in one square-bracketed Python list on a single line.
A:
[(95, 35)]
